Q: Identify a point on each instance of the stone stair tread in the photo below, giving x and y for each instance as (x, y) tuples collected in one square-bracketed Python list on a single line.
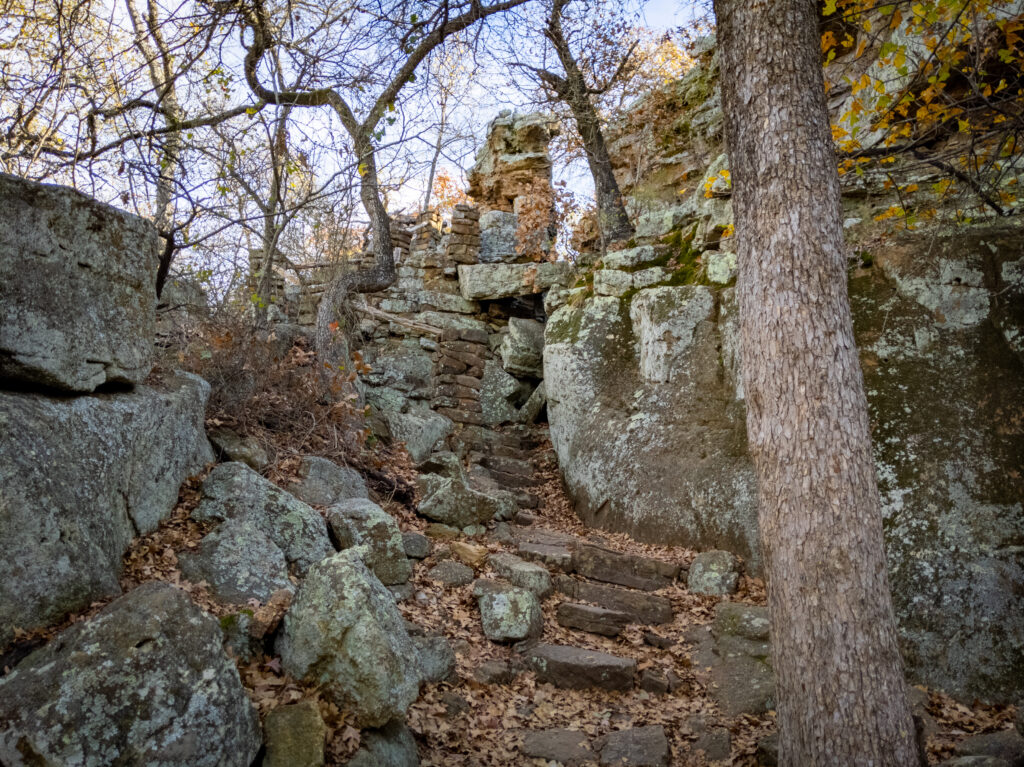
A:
[(610, 566), (512, 480), (550, 555), (595, 620), (507, 465), (544, 536), (642, 607), (576, 668)]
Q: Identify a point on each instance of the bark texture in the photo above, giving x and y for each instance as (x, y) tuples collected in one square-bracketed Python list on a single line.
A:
[(574, 91), (841, 693)]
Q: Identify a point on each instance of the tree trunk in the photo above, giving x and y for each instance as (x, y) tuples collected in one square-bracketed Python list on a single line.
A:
[(841, 693), (330, 342), (612, 220)]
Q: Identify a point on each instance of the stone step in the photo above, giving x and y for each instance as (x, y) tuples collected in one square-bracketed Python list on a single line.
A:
[(533, 534), (550, 555), (595, 620), (575, 668), (640, 606), (603, 564), (507, 465), (512, 480)]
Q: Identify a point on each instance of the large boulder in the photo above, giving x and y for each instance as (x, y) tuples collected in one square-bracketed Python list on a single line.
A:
[(79, 478), (361, 522), (77, 289), (344, 632), (144, 682), (644, 373), (233, 491)]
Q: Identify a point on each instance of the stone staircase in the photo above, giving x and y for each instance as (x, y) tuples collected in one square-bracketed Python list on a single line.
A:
[(592, 591)]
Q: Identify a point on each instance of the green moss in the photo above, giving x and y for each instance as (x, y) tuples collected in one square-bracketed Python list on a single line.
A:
[(564, 326), (688, 269), (228, 622)]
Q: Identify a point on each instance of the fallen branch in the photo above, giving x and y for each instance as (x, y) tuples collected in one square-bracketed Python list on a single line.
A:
[(381, 314)]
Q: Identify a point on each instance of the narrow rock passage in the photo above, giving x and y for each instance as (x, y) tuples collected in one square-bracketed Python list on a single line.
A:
[(608, 676)]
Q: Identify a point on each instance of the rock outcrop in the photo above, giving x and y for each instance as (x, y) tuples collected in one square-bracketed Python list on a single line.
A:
[(77, 289), (79, 478), (144, 682)]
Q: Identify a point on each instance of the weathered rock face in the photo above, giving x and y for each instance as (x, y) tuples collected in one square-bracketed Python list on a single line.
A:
[(79, 478), (324, 482), (514, 161), (144, 682), (344, 632), (656, 373), (642, 376), (946, 398), (77, 289)]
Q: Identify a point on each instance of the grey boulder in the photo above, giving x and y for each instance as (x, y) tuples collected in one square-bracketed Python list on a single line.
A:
[(322, 482), (714, 573), (79, 478), (145, 682), (508, 613), (239, 562), (390, 746), (361, 522), (450, 501), (345, 633), (77, 289), (234, 491)]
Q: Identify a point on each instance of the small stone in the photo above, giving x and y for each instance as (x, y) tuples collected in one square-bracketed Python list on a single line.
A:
[(493, 672), (294, 736), (469, 553), (416, 545), (714, 573), (715, 742), (437, 659), (510, 614), (654, 681), (568, 747), (737, 619), (323, 482), (234, 447), (402, 591), (474, 531), (451, 573), (361, 522), (636, 747), (442, 532), (393, 745)]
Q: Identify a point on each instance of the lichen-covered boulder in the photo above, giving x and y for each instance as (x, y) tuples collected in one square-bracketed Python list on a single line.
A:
[(498, 391), (421, 430), (344, 632), (323, 482), (451, 501), (361, 522), (145, 682), (229, 445), (644, 375), (239, 562), (234, 491), (77, 289), (79, 478), (714, 573), (508, 613)]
